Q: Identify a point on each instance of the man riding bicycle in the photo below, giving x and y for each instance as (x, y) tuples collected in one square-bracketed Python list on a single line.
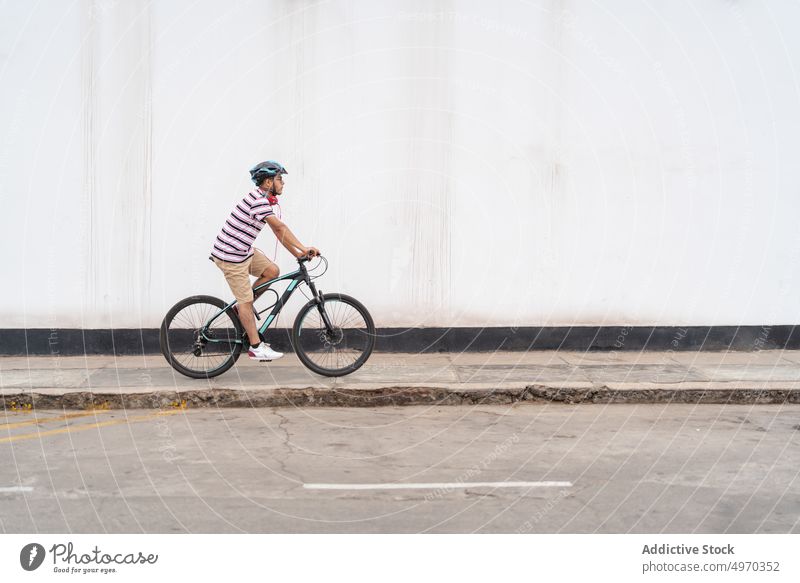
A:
[(234, 254)]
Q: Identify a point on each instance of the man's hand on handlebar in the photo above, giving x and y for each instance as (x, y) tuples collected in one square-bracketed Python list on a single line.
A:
[(310, 252)]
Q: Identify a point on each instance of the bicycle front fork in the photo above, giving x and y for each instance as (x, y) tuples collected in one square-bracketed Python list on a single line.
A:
[(321, 308)]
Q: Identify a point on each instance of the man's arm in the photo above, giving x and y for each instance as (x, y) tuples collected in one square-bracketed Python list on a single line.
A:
[(286, 237)]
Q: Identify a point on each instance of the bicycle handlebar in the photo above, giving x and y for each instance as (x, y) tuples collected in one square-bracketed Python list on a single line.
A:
[(306, 257)]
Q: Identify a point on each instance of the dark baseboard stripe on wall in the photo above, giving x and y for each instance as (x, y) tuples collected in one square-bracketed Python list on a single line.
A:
[(72, 342)]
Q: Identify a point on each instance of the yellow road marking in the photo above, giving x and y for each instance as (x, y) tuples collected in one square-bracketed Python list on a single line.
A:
[(88, 426), (40, 420)]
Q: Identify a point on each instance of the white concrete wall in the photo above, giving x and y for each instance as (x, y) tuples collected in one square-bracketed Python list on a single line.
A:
[(536, 163)]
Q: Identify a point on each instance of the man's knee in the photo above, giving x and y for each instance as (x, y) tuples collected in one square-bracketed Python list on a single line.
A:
[(271, 272)]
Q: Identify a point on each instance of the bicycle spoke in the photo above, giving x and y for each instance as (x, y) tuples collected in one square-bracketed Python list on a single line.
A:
[(356, 315), (183, 318)]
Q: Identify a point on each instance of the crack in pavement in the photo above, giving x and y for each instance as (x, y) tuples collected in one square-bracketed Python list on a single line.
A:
[(287, 442)]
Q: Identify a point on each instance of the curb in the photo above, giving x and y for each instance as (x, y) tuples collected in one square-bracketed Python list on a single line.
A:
[(393, 396)]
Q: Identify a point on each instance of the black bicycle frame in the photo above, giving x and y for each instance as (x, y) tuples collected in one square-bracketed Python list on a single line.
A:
[(296, 277)]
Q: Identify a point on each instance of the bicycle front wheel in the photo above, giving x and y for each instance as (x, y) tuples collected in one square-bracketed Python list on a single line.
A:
[(343, 348), (196, 348)]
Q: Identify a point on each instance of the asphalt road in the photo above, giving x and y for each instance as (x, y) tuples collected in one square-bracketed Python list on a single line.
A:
[(520, 468)]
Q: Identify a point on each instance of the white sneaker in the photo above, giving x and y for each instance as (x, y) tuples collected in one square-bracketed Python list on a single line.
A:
[(263, 352)]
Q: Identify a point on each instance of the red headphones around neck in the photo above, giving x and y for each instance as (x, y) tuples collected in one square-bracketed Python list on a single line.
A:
[(271, 198)]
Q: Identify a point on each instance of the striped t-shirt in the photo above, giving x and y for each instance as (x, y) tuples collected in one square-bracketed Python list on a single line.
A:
[(234, 242)]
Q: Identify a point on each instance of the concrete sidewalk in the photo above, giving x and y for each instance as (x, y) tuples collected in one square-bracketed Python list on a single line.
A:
[(771, 376)]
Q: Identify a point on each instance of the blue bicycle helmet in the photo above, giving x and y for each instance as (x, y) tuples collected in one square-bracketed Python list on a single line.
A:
[(266, 169)]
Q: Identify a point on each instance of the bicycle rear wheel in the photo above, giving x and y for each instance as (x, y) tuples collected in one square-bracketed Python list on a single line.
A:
[(340, 351), (199, 355)]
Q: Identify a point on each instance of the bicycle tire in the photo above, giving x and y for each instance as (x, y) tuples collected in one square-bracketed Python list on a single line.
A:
[(169, 353), (304, 357)]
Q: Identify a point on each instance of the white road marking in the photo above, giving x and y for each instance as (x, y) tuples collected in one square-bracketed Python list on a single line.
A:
[(17, 489), (437, 485)]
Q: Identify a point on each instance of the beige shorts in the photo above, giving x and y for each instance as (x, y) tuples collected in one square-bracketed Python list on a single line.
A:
[(238, 274)]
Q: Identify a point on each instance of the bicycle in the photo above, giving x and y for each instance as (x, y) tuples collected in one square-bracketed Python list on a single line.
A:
[(333, 334)]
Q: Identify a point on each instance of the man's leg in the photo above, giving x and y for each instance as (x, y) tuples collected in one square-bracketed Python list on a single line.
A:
[(248, 320), (238, 278), (264, 270)]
